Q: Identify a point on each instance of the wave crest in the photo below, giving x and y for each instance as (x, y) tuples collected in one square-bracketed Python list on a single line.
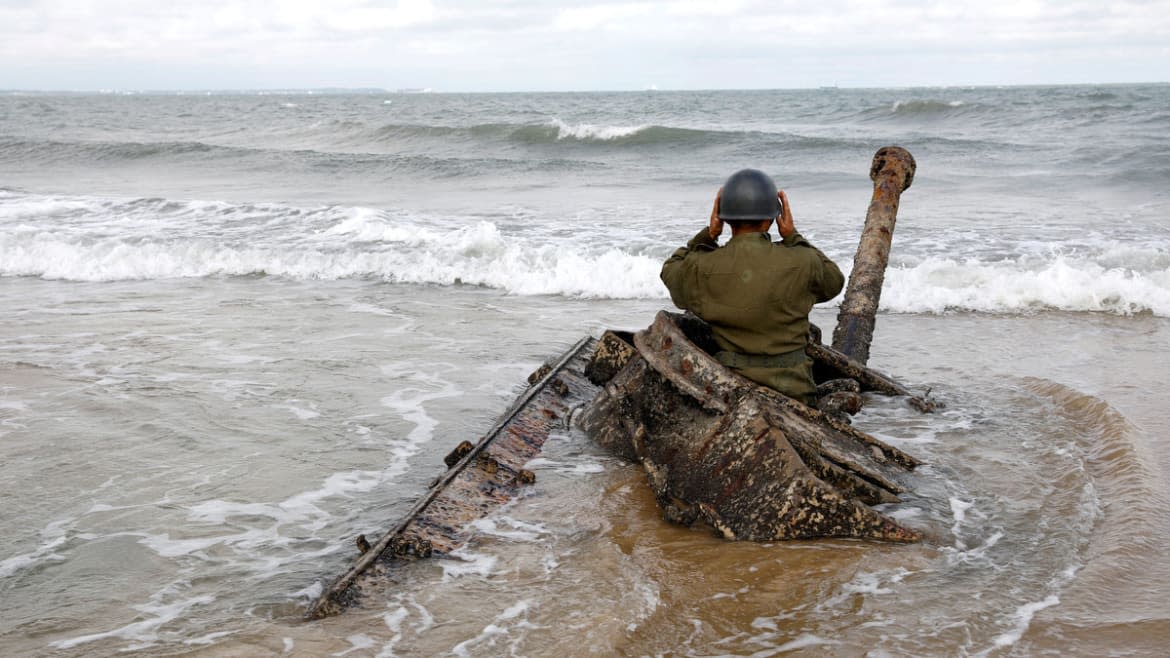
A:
[(918, 109), (924, 106), (557, 131), (552, 131), (1064, 283), (141, 239), (94, 239)]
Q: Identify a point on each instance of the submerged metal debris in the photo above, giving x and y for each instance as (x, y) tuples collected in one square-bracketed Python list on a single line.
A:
[(480, 478), (717, 448)]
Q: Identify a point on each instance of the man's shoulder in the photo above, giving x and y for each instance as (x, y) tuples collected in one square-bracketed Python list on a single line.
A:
[(790, 249)]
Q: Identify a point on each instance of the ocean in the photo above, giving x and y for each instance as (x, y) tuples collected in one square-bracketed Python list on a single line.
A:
[(239, 330)]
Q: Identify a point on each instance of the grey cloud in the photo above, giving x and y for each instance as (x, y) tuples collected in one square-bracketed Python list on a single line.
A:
[(529, 44)]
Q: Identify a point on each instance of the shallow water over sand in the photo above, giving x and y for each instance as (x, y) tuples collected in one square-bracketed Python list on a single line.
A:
[(187, 462), (237, 331)]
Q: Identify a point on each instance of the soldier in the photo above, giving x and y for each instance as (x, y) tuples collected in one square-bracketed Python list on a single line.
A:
[(756, 294)]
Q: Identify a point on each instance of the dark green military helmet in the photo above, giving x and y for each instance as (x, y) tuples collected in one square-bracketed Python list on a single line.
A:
[(749, 195)]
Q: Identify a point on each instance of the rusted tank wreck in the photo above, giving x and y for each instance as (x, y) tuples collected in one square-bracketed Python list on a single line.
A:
[(717, 449), (750, 462)]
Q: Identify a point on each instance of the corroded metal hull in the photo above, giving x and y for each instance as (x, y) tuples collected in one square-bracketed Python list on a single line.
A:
[(480, 478), (750, 462)]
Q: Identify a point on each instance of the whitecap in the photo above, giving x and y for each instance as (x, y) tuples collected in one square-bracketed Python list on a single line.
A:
[(940, 284), (587, 131), (98, 239)]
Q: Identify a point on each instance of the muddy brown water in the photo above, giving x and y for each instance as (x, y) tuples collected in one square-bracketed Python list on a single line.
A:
[(187, 463)]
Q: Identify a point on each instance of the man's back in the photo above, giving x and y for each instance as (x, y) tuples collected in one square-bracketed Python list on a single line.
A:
[(755, 294)]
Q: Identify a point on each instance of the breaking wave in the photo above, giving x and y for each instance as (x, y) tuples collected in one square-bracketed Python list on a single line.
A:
[(1059, 283), (550, 131), (556, 130), (927, 106), (486, 147), (920, 109), (86, 239), (95, 239)]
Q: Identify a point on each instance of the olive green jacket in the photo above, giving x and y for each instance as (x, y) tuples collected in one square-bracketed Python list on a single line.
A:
[(756, 295)]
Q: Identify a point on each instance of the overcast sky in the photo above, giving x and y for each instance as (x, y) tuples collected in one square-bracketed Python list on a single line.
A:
[(514, 45)]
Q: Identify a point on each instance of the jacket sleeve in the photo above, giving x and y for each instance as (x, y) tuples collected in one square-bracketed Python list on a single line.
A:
[(826, 280), (679, 271)]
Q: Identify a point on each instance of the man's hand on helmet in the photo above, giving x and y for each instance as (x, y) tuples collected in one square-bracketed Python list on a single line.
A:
[(784, 223), (716, 226)]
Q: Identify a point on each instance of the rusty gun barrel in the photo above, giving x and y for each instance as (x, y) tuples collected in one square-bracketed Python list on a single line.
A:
[(892, 173)]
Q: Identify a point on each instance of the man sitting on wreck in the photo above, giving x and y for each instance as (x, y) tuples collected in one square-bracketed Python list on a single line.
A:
[(756, 294)]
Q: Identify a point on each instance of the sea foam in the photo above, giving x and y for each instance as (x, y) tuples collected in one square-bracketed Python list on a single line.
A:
[(940, 284), (97, 240), (53, 537), (146, 631)]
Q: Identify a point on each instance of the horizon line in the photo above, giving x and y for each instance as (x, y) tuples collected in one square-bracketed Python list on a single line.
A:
[(411, 91)]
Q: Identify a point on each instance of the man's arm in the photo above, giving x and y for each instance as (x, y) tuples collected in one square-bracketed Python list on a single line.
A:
[(830, 282), (678, 270), (826, 280)]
